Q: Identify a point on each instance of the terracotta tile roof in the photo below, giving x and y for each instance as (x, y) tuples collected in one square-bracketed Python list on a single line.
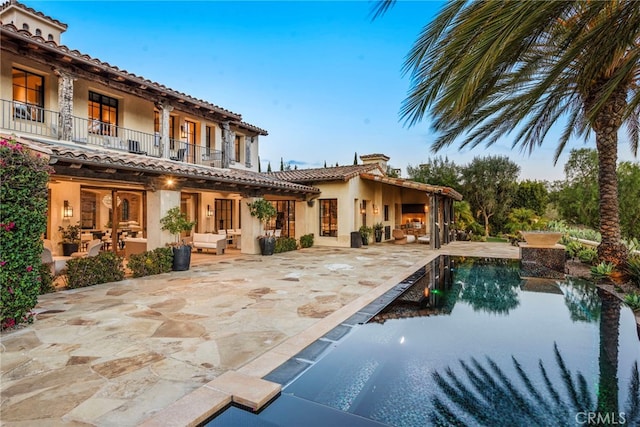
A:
[(335, 173), (159, 166), (405, 183), (124, 75)]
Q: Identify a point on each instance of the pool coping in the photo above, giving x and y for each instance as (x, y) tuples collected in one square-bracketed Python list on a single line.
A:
[(246, 386)]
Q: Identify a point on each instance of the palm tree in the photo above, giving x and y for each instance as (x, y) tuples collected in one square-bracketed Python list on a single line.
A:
[(484, 69)]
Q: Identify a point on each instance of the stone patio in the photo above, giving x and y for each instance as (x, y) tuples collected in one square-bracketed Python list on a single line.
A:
[(157, 350)]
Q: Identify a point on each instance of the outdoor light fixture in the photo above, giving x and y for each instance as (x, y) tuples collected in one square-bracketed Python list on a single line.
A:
[(375, 210), (209, 211), (67, 210)]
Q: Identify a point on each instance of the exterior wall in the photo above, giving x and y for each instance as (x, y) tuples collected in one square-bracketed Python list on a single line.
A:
[(9, 61), (18, 17), (61, 191)]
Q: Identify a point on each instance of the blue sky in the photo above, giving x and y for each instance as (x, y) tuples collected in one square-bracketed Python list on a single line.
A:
[(321, 77)]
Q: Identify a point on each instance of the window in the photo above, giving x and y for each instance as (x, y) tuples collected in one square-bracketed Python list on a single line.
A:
[(156, 121), (329, 217), (50, 37), (190, 132), (38, 32), (103, 114), (172, 135), (237, 148), (224, 214), (208, 140), (386, 212), (285, 219), (28, 95), (25, 27)]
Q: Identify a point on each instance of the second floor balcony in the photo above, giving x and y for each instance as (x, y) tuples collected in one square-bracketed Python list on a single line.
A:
[(36, 121)]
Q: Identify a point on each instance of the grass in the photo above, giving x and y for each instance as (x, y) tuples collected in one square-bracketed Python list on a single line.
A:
[(497, 240)]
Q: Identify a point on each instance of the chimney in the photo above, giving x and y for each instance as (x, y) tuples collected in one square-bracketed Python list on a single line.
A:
[(380, 159)]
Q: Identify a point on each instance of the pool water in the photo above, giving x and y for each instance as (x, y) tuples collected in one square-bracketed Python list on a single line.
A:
[(466, 341)]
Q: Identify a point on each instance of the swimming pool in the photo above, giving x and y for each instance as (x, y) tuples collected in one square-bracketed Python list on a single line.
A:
[(466, 341)]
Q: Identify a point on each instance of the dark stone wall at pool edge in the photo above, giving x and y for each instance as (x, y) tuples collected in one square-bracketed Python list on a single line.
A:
[(542, 262)]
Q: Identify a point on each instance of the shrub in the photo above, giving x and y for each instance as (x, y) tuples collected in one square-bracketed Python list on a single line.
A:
[(46, 280), (633, 301), (602, 270), (152, 262), (633, 269), (588, 255), (306, 241), (23, 197), (103, 268), (573, 247), (285, 244)]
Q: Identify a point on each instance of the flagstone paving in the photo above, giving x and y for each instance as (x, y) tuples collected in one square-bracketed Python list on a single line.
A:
[(157, 350)]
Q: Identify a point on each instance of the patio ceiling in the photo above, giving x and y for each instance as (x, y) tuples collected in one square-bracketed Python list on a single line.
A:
[(404, 183)]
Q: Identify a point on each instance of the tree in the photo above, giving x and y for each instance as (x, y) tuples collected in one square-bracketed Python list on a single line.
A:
[(355, 158), (281, 164), (436, 171), (484, 69), (259, 166), (269, 167), (629, 185), (531, 195), (489, 184), (577, 197)]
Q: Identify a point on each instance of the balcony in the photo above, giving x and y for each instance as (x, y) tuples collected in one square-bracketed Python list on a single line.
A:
[(29, 119)]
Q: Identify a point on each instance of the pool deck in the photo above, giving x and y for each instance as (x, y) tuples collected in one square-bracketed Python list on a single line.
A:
[(171, 349)]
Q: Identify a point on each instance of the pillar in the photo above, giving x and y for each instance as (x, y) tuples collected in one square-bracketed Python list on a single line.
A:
[(65, 105), (158, 203), (251, 229), (165, 111), (228, 138)]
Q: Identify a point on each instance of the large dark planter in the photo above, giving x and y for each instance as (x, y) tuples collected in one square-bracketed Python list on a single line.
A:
[(378, 234), (365, 240), (356, 239), (181, 258), (69, 248), (267, 245)]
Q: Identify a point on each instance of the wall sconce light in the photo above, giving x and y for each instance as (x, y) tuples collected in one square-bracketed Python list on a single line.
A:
[(363, 209), (426, 208), (376, 211), (183, 132), (67, 210), (209, 211)]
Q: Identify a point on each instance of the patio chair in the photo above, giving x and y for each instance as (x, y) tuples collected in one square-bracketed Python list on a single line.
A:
[(399, 237), (57, 264), (93, 249)]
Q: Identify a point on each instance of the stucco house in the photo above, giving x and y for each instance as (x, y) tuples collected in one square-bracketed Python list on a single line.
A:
[(125, 150), (363, 194)]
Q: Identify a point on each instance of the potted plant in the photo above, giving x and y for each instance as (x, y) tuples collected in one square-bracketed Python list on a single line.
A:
[(175, 222), (365, 232), (377, 231), (70, 238), (264, 211)]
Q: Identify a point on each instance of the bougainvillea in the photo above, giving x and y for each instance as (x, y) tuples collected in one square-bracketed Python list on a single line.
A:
[(23, 205)]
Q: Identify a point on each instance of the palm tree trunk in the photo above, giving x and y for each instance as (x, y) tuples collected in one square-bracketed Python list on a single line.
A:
[(609, 330), (606, 126)]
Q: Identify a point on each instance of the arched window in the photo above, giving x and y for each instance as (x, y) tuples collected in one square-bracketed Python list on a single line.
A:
[(25, 27), (50, 37), (38, 32)]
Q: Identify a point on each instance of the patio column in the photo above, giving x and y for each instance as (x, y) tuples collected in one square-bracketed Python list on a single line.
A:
[(65, 105), (247, 151), (164, 128), (251, 228), (228, 137), (158, 203)]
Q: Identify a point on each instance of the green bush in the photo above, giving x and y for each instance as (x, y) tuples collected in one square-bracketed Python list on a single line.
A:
[(46, 280), (151, 262), (306, 241), (285, 244), (23, 201), (103, 268), (573, 247), (633, 269), (633, 301), (602, 270), (588, 255)]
